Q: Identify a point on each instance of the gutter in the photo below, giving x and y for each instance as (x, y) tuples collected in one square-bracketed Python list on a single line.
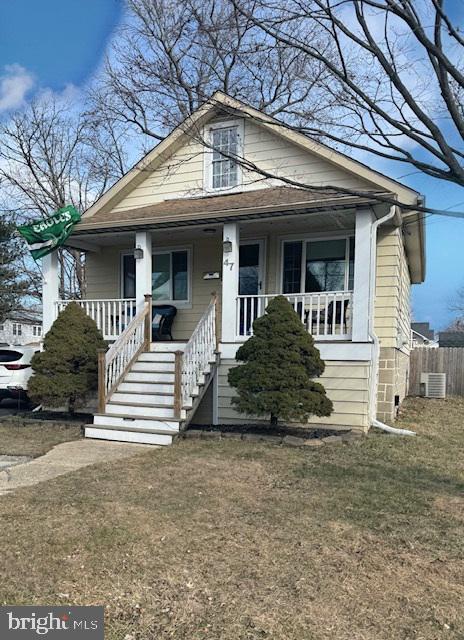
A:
[(373, 383)]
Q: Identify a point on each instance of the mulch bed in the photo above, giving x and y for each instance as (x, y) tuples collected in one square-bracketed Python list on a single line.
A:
[(288, 436), (56, 416), (281, 430)]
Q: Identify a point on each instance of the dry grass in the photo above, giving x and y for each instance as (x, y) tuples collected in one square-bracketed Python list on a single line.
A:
[(232, 540), (18, 439)]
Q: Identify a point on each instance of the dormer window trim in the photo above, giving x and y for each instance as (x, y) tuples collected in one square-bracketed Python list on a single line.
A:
[(209, 152)]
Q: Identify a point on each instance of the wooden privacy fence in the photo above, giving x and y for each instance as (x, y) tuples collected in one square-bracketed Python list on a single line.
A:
[(449, 360)]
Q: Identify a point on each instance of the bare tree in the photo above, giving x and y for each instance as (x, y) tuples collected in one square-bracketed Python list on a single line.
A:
[(457, 306), (171, 55), (51, 157), (396, 77)]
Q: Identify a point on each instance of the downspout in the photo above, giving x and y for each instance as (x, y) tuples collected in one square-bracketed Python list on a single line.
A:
[(372, 335)]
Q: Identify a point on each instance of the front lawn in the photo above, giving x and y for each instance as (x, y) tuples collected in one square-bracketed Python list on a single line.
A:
[(234, 540), (19, 439)]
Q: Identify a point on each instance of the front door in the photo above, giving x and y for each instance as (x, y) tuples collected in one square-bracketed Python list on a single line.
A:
[(250, 283), (250, 269)]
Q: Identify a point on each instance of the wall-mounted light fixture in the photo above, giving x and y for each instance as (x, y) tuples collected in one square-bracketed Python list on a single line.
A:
[(227, 246), (138, 253)]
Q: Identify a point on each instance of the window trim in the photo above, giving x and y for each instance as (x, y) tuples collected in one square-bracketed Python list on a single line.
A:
[(17, 329), (179, 304), (208, 156), (304, 238)]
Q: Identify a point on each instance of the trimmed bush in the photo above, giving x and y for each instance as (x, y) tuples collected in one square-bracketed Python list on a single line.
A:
[(279, 364), (66, 371)]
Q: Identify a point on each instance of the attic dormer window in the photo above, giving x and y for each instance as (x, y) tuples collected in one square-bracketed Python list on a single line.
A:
[(225, 143)]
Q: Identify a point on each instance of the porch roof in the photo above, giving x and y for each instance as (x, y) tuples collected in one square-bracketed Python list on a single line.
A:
[(244, 205)]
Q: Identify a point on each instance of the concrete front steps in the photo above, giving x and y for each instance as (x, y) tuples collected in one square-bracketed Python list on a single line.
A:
[(142, 407)]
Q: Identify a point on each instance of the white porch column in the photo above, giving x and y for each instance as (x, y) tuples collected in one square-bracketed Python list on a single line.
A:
[(50, 290), (142, 267), (230, 257), (362, 266)]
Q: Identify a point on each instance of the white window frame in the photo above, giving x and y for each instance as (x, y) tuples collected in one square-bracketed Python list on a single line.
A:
[(208, 156), (17, 329), (179, 304), (313, 238), (36, 330)]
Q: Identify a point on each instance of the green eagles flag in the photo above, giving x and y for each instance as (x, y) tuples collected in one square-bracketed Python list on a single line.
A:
[(44, 236)]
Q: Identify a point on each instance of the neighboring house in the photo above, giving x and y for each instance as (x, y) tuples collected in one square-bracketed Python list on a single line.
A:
[(451, 338), (21, 327), (422, 335), (188, 220)]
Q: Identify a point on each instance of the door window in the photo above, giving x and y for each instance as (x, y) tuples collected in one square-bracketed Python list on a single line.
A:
[(249, 282)]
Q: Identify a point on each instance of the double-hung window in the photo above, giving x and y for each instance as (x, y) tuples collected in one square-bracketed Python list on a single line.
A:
[(318, 265), (17, 329), (224, 171), (170, 277)]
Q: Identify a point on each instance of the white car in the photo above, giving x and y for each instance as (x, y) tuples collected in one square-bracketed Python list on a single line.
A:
[(15, 370)]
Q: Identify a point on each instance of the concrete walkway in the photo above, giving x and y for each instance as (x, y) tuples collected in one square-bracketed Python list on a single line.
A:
[(64, 458)]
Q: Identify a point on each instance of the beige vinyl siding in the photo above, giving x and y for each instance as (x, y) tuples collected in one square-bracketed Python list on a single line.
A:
[(404, 318), (182, 174), (179, 176), (103, 271), (387, 295), (346, 384), (279, 157), (392, 305)]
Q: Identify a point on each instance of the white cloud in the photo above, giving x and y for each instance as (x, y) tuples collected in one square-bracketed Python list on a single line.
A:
[(14, 85)]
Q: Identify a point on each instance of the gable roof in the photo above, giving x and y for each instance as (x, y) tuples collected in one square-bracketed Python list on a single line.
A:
[(222, 102)]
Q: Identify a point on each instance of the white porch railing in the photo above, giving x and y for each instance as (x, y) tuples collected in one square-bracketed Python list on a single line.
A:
[(327, 315), (197, 357), (112, 316)]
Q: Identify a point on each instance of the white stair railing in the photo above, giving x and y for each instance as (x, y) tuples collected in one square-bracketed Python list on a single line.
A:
[(114, 363), (198, 355)]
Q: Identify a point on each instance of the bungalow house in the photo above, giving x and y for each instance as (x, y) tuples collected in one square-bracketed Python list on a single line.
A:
[(22, 326), (214, 222)]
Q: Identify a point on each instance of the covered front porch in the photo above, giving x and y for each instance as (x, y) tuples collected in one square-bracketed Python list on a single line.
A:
[(321, 261)]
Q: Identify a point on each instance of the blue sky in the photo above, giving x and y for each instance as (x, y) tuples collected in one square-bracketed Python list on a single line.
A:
[(57, 44)]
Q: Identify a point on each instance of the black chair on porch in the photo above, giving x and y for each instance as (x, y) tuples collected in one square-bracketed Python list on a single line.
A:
[(162, 319), (333, 318)]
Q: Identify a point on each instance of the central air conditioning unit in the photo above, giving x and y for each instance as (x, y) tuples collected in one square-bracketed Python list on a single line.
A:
[(434, 385)]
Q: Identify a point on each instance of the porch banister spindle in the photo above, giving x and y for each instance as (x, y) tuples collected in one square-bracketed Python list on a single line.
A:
[(178, 384)]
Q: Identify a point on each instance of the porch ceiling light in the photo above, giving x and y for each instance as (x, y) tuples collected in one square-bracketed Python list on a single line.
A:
[(209, 230), (227, 246), (138, 253)]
